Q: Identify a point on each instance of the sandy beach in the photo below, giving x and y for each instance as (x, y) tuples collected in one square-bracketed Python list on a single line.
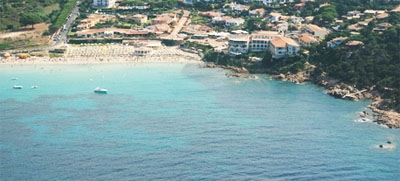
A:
[(115, 53)]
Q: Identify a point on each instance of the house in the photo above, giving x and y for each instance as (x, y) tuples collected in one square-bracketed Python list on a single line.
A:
[(137, 18), (104, 3), (295, 20), (282, 26), (308, 19), (237, 8), (111, 32), (193, 1), (324, 4), (396, 9), (211, 14), (260, 12), (93, 19), (352, 15), (382, 15), (260, 40), (315, 31), (159, 28), (299, 6), (164, 19), (249, 1), (128, 8), (234, 22), (354, 45), (382, 27), (272, 2), (239, 32), (285, 1), (85, 24), (307, 40), (197, 29), (188, 1), (238, 44), (274, 17), (220, 19), (335, 42), (369, 12), (281, 47)]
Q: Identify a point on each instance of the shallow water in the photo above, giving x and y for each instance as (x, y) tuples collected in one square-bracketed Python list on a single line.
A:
[(172, 121)]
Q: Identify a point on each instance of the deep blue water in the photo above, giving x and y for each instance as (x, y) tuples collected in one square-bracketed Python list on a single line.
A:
[(170, 121)]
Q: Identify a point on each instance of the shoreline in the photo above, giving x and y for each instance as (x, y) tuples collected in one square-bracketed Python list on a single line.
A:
[(116, 54), (123, 54)]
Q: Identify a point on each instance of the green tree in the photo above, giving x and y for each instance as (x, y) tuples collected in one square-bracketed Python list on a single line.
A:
[(30, 19), (253, 24)]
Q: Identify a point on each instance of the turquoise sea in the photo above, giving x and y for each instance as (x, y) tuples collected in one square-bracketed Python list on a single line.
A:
[(175, 121)]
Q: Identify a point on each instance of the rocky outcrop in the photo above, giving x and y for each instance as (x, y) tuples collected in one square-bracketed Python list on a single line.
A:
[(298, 77), (382, 116), (235, 71), (345, 91), (241, 70)]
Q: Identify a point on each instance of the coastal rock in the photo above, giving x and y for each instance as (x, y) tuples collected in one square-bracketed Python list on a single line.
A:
[(210, 65), (338, 91), (345, 91), (299, 77), (241, 70), (279, 76), (389, 118), (233, 74)]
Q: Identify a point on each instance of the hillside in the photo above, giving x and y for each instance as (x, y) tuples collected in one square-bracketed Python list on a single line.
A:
[(11, 12)]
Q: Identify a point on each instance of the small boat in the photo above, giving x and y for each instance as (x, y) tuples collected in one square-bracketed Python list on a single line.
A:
[(100, 90), (34, 86), (17, 87)]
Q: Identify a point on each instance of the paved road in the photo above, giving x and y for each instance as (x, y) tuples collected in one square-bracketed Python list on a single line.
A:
[(62, 36), (180, 24)]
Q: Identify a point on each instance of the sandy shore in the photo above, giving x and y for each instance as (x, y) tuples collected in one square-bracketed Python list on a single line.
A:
[(76, 54)]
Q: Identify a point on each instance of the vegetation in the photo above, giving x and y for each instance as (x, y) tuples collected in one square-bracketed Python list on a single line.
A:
[(374, 64), (30, 19), (15, 14), (325, 15), (65, 11)]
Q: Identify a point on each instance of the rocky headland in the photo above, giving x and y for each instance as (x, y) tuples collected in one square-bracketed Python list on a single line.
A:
[(336, 88)]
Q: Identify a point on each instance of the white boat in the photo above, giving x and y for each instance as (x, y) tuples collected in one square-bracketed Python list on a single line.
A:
[(17, 87), (34, 86), (100, 90)]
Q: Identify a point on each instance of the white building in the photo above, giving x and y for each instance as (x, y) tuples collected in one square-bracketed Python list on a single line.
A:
[(282, 46), (193, 1), (274, 17), (238, 44), (234, 22), (104, 3), (260, 40), (271, 2), (315, 30), (335, 42)]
